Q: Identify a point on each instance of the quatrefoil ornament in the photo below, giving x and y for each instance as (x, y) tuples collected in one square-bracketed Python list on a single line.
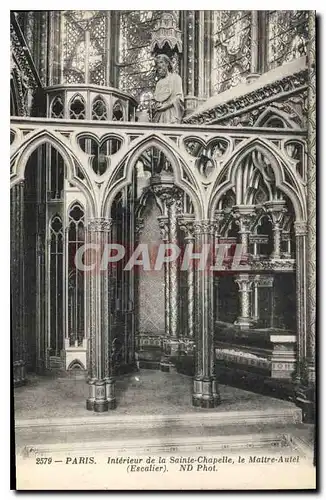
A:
[(208, 154)]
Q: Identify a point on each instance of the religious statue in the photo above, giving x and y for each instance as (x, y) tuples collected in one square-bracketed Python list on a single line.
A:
[(168, 104)]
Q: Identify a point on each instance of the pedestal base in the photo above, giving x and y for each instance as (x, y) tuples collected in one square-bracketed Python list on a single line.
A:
[(244, 323), (205, 403), (205, 393), (19, 373), (164, 366), (101, 396), (305, 399), (101, 406)]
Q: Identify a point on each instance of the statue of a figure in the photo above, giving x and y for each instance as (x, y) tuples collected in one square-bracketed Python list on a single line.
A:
[(168, 96)]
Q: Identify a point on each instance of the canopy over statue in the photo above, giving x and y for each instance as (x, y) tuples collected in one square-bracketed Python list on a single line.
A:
[(168, 95)]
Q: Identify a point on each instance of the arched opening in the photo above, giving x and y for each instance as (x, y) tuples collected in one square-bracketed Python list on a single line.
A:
[(77, 108), (99, 110), (75, 282), (146, 213), (52, 230), (57, 107), (255, 212)]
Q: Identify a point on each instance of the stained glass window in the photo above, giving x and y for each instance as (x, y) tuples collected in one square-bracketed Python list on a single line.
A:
[(56, 285), (287, 36), (231, 53), (76, 282), (136, 64), (84, 46)]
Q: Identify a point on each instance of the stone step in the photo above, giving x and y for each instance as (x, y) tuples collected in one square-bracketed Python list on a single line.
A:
[(207, 418), (221, 430), (232, 439)]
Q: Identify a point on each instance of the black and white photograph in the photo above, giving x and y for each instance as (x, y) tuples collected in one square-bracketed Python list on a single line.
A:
[(163, 249)]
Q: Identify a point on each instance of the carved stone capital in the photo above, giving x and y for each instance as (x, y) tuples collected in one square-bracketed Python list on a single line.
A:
[(264, 281), (221, 218), (244, 283), (186, 224), (205, 226), (300, 228), (244, 217), (276, 211), (169, 195), (101, 225)]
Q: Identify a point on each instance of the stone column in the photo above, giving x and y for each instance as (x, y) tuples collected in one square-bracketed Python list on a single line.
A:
[(311, 195), (163, 222), (189, 59), (186, 224), (165, 364), (254, 63), (205, 392), (276, 212), (101, 382), (201, 56), (208, 49), (255, 316), (244, 281), (17, 282), (301, 291), (139, 226), (244, 217), (173, 206), (171, 197)]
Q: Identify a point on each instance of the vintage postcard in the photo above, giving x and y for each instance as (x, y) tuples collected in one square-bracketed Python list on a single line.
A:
[(163, 249)]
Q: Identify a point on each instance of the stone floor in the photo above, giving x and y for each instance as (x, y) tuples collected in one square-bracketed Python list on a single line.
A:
[(154, 414), (148, 392)]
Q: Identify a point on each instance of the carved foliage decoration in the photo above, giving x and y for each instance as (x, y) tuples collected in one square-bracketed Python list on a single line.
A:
[(236, 111)]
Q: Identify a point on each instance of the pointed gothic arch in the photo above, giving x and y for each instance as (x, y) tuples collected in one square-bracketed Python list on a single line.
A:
[(285, 178), (24, 151), (272, 113), (179, 167), (77, 107)]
